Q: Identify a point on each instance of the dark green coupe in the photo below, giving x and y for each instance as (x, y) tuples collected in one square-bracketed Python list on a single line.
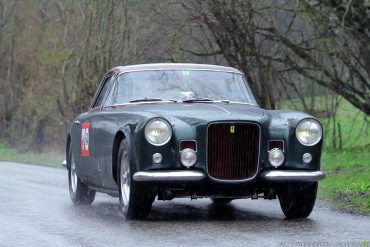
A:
[(190, 130)]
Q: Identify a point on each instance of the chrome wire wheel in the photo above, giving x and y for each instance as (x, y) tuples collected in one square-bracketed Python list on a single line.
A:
[(73, 176), (125, 179), (135, 199), (79, 192)]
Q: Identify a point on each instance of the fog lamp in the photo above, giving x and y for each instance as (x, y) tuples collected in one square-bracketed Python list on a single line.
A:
[(157, 158), (307, 158), (188, 157), (276, 157)]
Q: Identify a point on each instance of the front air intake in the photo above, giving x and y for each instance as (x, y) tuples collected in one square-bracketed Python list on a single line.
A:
[(233, 150)]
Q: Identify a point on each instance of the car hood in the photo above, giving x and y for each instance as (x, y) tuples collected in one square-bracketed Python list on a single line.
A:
[(190, 112)]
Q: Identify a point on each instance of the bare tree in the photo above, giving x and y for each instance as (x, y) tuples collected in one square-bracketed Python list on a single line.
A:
[(326, 43)]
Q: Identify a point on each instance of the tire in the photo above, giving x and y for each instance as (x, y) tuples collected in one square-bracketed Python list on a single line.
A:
[(220, 200), (135, 199), (80, 194), (297, 200)]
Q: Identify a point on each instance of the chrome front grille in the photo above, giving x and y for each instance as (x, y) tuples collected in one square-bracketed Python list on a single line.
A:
[(233, 150)]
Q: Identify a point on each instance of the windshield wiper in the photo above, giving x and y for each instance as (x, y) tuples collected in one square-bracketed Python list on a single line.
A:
[(204, 99), (151, 99), (197, 99)]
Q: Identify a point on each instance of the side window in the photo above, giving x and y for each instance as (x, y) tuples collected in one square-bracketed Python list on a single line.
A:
[(112, 96), (107, 85)]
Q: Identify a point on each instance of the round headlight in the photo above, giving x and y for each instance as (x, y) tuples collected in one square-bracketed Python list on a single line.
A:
[(158, 132), (308, 132)]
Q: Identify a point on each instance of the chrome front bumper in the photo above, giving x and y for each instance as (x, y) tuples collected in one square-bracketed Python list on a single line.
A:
[(292, 176), (188, 176), (168, 176)]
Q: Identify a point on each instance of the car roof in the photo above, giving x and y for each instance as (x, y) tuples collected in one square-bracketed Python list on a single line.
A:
[(172, 66)]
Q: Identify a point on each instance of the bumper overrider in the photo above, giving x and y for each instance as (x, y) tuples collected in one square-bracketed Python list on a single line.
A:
[(188, 176)]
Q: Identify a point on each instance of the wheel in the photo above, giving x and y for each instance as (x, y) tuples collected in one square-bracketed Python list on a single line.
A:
[(220, 200), (80, 194), (297, 199), (135, 199)]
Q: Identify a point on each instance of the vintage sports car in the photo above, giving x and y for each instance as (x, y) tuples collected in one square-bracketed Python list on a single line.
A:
[(190, 130)]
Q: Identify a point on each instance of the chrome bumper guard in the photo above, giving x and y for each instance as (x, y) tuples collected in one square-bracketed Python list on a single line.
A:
[(292, 176), (168, 176)]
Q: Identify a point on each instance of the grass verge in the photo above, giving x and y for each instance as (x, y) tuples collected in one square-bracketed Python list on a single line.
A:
[(347, 181), (45, 159)]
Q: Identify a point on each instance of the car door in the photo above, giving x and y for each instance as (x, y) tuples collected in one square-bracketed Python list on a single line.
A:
[(106, 124), (90, 144)]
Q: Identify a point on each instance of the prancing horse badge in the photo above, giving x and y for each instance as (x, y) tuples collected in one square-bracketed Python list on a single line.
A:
[(232, 129)]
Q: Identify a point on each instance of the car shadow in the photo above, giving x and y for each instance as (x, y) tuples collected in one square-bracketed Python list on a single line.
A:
[(196, 212)]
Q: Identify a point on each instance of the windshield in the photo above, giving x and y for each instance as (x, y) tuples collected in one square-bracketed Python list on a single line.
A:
[(181, 85)]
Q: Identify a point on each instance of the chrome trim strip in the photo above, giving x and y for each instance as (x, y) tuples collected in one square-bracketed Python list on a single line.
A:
[(168, 176), (180, 101), (259, 150), (293, 176), (221, 108)]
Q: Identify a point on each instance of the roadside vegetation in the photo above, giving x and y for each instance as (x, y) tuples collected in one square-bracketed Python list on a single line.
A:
[(15, 155), (347, 181)]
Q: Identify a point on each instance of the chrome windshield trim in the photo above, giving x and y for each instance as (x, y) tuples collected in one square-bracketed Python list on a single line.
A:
[(168, 176), (167, 69), (195, 69), (293, 176)]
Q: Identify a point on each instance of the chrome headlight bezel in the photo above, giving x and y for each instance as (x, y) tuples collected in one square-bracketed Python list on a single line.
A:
[(300, 129), (149, 127)]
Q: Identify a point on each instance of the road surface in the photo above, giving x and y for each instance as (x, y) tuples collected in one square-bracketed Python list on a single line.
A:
[(35, 210)]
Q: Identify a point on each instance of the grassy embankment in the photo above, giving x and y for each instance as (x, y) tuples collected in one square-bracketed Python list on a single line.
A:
[(347, 181), (47, 159), (348, 170)]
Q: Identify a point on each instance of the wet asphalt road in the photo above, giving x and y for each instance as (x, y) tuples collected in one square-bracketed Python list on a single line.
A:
[(35, 210)]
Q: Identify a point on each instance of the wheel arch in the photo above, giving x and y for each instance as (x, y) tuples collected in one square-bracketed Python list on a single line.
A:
[(120, 135)]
